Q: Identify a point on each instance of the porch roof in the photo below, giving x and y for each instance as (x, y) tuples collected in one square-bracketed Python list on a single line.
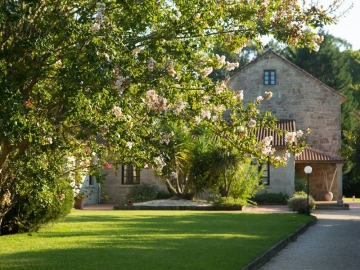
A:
[(278, 140), (311, 155)]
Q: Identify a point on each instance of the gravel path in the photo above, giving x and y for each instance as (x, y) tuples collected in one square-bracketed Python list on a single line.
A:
[(332, 243)]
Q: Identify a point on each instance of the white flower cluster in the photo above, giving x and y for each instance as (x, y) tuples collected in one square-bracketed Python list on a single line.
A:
[(206, 71), (166, 137), (205, 99), (46, 140), (155, 102), (129, 145), (136, 51), (179, 106), (176, 16), (286, 156), (251, 123), (231, 66), (291, 137), (95, 27), (197, 119), (104, 129), (316, 40), (220, 87), (160, 163), (99, 16), (170, 69), (206, 114), (266, 147), (117, 111), (173, 175), (259, 98), (268, 95), (151, 64), (221, 59), (6, 199), (219, 108), (239, 95), (120, 83), (238, 50)]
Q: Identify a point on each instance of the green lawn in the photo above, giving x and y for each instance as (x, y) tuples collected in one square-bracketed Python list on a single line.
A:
[(149, 240), (350, 200)]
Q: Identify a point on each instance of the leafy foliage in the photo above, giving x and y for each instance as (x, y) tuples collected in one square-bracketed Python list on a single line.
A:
[(298, 202), (271, 198), (144, 192), (300, 183), (73, 70), (36, 209)]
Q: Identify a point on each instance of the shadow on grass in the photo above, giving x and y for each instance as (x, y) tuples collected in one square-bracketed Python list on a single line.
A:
[(149, 241)]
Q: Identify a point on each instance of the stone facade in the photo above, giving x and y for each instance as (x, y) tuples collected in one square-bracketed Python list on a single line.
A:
[(117, 191), (317, 181), (297, 96)]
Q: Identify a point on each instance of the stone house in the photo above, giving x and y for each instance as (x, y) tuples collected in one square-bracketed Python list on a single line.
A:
[(299, 101)]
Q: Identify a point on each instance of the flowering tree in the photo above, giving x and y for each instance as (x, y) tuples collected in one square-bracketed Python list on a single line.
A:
[(74, 70)]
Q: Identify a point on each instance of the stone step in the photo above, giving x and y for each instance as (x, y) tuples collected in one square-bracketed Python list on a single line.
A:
[(332, 206)]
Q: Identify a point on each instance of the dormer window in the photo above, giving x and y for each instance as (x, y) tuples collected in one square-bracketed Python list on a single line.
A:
[(269, 77)]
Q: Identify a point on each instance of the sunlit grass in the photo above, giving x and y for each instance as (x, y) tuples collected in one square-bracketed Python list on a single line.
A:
[(149, 240), (350, 200)]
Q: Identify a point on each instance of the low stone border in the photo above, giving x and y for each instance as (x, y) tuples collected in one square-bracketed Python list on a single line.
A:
[(264, 258), (178, 207)]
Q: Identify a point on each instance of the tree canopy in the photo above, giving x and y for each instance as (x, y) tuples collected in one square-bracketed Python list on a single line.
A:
[(88, 79)]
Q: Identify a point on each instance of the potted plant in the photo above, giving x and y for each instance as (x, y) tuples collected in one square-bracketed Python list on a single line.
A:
[(79, 199), (329, 195)]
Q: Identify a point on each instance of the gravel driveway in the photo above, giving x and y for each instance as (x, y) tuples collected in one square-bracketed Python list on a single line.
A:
[(332, 243)]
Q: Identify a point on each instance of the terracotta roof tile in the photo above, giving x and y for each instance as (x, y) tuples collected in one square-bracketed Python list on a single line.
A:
[(284, 124), (316, 156)]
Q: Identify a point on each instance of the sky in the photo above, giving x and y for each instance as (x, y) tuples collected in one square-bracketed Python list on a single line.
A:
[(348, 25)]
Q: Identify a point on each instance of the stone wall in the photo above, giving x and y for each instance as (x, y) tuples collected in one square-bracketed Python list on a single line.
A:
[(296, 96), (282, 179), (317, 180), (117, 191)]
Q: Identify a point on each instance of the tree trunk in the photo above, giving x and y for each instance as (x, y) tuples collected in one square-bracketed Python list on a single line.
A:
[(170, 188), (7, 201)]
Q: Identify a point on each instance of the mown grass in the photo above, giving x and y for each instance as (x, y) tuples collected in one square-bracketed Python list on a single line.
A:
[(350, 200), (149, 240)]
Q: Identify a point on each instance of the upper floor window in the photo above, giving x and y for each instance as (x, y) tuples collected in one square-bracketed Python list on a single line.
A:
[(269, 77), (130, 175)]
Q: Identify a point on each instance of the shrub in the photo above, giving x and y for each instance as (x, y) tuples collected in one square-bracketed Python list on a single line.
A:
[(163, 194), (36, 209), (271, 198), (298, 202), (142, 193), (227, 201)]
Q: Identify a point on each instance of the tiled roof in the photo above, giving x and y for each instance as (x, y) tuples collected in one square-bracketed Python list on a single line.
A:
[(310, 155), (279, 140), (100, 140)]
